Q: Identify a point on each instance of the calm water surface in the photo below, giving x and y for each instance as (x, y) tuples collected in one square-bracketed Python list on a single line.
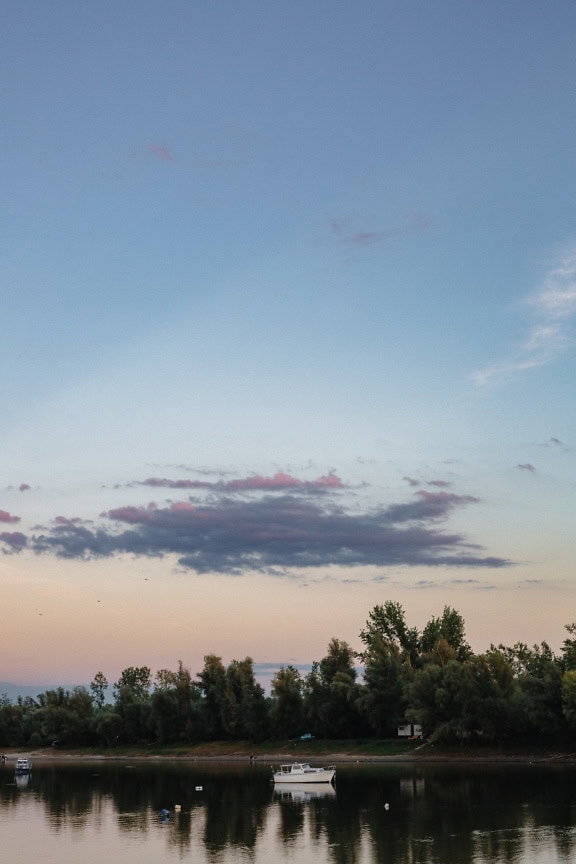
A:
[(89, 813)]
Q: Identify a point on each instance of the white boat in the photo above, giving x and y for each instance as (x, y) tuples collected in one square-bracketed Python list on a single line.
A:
[(301, 772), (22, 766)]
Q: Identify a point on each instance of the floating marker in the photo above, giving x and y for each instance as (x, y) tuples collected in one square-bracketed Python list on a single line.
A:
[(386, 806), (177, 808), (199, 788)]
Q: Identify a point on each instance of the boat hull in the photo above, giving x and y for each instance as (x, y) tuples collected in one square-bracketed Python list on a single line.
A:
[(297, 776)]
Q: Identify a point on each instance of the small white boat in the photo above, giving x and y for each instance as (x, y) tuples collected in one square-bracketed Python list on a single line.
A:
[(301, 772), (22, 766)]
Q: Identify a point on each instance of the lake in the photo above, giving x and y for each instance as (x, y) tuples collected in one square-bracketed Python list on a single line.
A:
[(89, 813)]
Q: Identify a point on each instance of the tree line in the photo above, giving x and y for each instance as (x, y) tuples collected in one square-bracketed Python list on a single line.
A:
[(516, 694)]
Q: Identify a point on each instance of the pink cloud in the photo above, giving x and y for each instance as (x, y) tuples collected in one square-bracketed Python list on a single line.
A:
[(161, 152), (526, 466), (24, 487), (440, 484), (7, 517), (134, 515), (280, 481)]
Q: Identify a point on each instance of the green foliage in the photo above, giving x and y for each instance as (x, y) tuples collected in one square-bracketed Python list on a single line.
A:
[(247, 710), (387, 624), (448, 631), (569, 648), (331, 694), (383, 699), (569, 697), (175, 706), (519, 693), (234, 705), (538, 697), (98, 689), (287, 703), (135, 683)]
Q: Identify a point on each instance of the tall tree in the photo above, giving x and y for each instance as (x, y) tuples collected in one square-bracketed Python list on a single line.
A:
[(287, 702), (386, 625), (216, 706), (387, 674), (448, 628), (249, 710), (137, 680), (176, 706), (569, 647), (331, 693), (132, 704), (569, 698), (98, 688), (539, 676)]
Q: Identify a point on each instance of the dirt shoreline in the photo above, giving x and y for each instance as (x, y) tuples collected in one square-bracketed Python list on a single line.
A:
[(415, 757)]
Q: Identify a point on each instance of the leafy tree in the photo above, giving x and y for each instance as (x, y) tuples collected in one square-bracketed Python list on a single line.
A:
[(287, 702), (137, 681), (98, 689), (383, 698), (448, 629), (387, 625), (569, 697), (176, 706), (331, 694), (216, 706), (249, 712), (569, 648), (456, 700), (64, 716), (11, 724), (538, 673), (132, 704), (108, 728)]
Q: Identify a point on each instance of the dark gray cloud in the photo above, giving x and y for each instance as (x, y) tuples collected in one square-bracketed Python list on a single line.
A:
[(274, 534), (346, 232), (14, 540)]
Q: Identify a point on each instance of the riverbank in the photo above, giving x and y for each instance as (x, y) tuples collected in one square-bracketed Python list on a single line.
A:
[(314, 752)]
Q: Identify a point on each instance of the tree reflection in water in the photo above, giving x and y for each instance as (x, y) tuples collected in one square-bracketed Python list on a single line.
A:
[(451, 814)]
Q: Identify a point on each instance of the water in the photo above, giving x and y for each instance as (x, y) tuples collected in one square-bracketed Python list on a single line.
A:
[(94, 812)]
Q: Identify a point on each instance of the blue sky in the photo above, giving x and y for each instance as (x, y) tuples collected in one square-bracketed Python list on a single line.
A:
[(303, 273)]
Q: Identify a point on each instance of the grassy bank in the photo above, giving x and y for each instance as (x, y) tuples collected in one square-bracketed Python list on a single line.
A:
[(314, 751), (289, 751)]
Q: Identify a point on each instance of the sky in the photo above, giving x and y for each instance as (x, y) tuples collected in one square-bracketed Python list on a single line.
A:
[(288, 304)]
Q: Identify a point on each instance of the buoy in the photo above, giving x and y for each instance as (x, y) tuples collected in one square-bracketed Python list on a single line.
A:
[(386, 806), (177, 808), (199, 788)]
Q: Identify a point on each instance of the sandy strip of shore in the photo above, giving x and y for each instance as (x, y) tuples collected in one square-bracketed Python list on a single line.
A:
[(445, 758)]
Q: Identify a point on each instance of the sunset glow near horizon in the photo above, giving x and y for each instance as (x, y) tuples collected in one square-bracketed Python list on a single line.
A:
[(289, 305)]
